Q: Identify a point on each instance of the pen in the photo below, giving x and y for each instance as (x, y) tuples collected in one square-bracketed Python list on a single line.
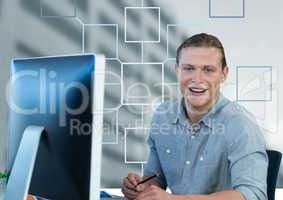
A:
[(148, 178)]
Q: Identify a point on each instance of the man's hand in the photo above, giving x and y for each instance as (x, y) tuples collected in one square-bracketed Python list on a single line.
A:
[(129, 188), (155, 193)]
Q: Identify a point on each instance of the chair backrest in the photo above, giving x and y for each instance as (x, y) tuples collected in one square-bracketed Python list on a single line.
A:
[(274, 158)]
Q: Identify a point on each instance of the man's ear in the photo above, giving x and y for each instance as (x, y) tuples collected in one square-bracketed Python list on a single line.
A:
[(225, 73)]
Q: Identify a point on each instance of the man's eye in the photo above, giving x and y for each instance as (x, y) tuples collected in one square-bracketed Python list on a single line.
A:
[(189, 68), (208, 70)]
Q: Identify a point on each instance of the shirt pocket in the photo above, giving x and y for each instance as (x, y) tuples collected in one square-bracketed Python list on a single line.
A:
[(214, 153), (172, 163), (211, 167)]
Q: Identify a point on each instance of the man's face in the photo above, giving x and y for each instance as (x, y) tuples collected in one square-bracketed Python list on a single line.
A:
[(200, 75)]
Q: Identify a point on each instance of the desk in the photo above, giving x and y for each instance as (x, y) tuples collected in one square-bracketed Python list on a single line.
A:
[(115, 192), (111, 191), (278, 194)]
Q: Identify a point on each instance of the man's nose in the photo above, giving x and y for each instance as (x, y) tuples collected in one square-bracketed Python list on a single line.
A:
[(197, 76)]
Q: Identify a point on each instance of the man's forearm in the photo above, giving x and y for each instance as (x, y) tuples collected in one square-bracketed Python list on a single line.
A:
[(225, 195)]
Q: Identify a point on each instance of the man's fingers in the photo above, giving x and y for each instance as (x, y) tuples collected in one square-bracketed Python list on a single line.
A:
[(129, 193), (133, 178), (141, 187), (128, 184)]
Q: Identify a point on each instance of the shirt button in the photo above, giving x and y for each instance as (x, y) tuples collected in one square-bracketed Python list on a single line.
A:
[(168, 151), (188, 162), (193, 137), (201, 158)]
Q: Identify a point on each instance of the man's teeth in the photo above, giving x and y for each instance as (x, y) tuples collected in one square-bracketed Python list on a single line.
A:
[(197, 90)]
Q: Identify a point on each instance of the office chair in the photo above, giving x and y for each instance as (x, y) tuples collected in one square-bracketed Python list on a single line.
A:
[(274, 158)]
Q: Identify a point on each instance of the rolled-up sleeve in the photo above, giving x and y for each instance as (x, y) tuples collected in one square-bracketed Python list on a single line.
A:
[(153, 165), (248, 162)]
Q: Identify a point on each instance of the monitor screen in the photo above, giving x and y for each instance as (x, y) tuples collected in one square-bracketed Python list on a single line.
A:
[(58, 94)]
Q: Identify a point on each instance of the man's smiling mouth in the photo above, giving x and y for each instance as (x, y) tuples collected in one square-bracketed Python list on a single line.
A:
[(197, 90)]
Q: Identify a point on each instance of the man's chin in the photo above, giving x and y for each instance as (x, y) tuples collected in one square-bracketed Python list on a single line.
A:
[(197, 102), (197, 105), (202, 99)]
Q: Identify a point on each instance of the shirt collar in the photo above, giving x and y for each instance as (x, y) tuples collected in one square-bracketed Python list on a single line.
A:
[(181, 112), (207, 118)]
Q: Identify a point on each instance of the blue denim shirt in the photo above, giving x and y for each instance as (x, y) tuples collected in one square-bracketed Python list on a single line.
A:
[(224, 150)]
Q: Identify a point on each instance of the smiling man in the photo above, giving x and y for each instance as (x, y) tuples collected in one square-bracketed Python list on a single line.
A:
[(203, 146)]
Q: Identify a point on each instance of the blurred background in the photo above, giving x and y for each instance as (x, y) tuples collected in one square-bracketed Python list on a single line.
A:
[(139, 39)]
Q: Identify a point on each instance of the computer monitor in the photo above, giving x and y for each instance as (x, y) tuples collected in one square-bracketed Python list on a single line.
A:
[(63, 94)]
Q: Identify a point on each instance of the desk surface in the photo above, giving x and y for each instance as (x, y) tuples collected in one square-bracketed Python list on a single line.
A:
[(278, 194)]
